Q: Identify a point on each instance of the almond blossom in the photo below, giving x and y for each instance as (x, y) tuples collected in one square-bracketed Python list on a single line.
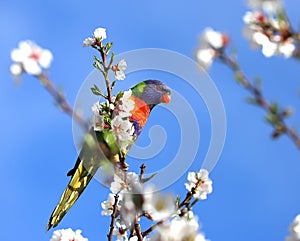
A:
[(98, 120), (294, 230), (123, 131), (268, 31), (108, 205), (211, 42), (30, 58), (67, 235), (119, 121), (119, 69), (98, 36), (120, 231), (124, 182), (125, 105), (157, 205), (200, 182), (179, 229), (269, 6)]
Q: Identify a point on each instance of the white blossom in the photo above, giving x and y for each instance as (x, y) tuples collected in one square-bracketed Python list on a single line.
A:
[(125, 105), (99, 35), (294, 230), (157, 205), (201, 182), (211, 42), (254, 18), (16, 69), (124, 182), (270, 42), (205, 57), (120, 231), (98, 119), (213, 38), (274, 46), (30, 58), (269, 6), (135, 238), (179, 229), (287, 48), (119, 70), (123, 131), (108, 205), (132, 204), (67, 235), (268, 48), (88, 42)]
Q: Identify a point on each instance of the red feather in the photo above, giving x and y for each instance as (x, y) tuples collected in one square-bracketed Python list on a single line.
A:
[(140, 112)]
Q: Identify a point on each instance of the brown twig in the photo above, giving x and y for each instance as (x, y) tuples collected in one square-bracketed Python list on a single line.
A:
[(113, 218), (188, 198), (138, 232), (149, 230), (61, 101), (142, 173), (279, 124)]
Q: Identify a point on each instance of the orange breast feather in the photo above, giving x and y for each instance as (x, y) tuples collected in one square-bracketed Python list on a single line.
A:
[(140, 112)]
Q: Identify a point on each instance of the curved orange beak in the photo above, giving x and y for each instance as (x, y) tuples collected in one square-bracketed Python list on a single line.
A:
[(166, 98)]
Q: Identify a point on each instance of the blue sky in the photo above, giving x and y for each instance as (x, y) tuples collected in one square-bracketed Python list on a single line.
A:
[(256, 180)]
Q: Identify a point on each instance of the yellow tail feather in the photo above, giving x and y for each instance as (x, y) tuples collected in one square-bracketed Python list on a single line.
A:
[(76, 186)]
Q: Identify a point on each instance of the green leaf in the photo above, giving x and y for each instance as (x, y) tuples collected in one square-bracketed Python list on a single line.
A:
[(239, 77), (96, 90), (119, 95), (281, 16), (97, 59), (97, 65), (111, 58), (108, 47), (274, 108), (113, 84), (272, 119)]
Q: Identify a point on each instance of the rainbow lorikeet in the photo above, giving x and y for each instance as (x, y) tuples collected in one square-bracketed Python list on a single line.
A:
[(115, 130)]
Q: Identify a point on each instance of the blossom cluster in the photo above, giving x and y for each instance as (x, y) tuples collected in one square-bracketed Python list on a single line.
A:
[(30, 58), (267, 28), (96, 41), (116, 118), (200, 182), (210, 44), (134, 200), (180, 228), (98, 36), (67, 235), (294, 230)]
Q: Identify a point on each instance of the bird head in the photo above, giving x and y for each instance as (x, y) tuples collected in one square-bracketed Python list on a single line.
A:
[(152, 92)]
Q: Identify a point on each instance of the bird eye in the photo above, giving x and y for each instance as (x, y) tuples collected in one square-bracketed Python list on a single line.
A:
[(159, 88)]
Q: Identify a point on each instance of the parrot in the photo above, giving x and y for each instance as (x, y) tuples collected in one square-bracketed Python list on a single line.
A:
[(144, 96)]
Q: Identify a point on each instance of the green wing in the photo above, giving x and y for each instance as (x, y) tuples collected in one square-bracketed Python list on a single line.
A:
[(96, 150)]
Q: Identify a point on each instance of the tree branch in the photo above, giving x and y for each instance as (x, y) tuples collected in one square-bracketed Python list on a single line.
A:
[(113, 218), (137, 228), (61, 101), (279, 124), (142, 173)]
